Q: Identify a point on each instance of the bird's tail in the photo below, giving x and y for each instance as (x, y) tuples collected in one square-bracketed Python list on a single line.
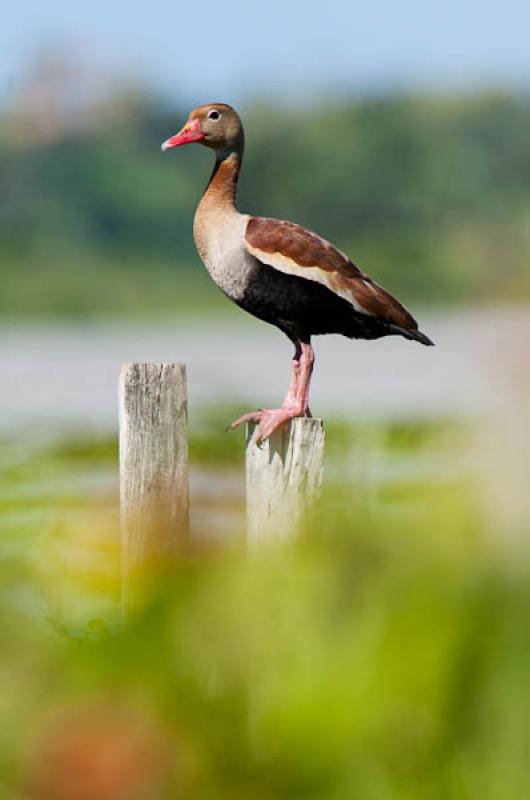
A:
[(414, 335)]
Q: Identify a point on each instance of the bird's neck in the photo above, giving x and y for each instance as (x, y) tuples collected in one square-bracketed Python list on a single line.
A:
[(222, 188)]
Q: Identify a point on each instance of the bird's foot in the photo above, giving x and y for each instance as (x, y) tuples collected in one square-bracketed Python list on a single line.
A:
[(270, 419)]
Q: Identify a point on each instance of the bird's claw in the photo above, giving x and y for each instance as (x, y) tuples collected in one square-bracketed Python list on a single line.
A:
[(251, 416), (269, 419)]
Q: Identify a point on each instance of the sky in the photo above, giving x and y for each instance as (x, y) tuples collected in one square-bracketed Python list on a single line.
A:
[(201, 50)]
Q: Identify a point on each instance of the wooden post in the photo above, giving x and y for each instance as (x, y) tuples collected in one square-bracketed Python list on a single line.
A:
[(153, 469), (283, 477)]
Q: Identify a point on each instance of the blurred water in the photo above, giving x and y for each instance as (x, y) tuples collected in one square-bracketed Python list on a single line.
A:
[(59, 375)]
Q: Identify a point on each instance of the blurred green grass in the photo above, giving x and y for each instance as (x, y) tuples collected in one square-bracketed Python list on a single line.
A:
[(384, 655)]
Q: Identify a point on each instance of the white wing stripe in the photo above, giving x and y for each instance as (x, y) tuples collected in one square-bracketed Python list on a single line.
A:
[(313, 273)]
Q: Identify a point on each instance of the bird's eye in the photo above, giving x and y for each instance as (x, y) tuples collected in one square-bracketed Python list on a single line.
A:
[(214, 115)]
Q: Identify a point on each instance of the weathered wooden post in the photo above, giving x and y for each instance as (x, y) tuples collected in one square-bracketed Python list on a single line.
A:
[(283, 479), (153, 470)]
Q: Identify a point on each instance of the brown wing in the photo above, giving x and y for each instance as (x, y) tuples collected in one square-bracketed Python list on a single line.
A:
[(294, 250)]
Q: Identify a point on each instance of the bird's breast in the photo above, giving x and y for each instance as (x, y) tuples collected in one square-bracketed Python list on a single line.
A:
[(220, 240)]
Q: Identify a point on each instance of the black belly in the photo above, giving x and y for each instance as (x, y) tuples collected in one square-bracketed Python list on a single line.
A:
[(303, 308)]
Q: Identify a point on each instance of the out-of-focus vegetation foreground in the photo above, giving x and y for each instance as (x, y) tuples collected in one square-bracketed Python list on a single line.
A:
[(386, 655)]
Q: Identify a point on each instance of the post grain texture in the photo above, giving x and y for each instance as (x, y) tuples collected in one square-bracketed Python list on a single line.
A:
[(153, 468), (283, 479)]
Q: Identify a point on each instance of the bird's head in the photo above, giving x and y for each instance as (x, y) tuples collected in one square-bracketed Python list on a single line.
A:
[(215, 125)]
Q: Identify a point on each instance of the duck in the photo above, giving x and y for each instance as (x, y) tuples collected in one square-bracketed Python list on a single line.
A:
[(279, 271)]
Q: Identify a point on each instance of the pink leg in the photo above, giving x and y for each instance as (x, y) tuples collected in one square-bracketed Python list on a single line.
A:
[(306, 370), (290, 397), (296, 403)]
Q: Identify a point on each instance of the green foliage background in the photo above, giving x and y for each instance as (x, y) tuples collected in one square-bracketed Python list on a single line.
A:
[(430, 194)]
